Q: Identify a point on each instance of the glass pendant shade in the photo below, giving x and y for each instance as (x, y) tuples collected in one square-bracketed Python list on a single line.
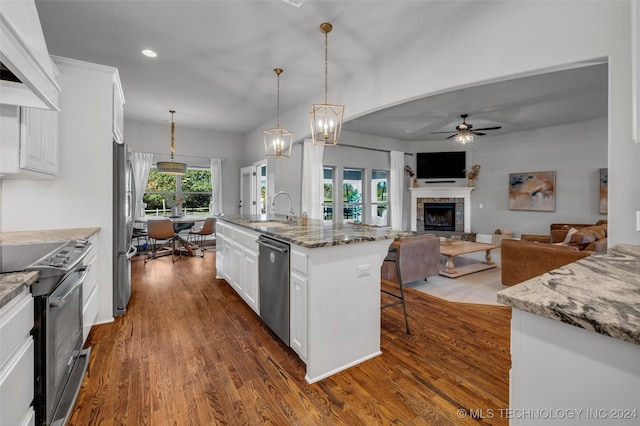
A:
[(172, 167), (277, 141), (326, 119), (464, 137)]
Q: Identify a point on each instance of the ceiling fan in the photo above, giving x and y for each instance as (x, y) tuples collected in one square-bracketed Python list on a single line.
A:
[(464, 131)]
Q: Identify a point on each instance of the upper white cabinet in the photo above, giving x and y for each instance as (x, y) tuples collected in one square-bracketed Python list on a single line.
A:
[(29, 142), (23, 51), (118, 110)]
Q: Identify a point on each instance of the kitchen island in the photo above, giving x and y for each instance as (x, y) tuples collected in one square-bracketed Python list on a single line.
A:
[(575, 341), (334, 284)]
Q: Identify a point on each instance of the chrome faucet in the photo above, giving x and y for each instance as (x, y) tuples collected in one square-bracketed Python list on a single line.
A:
[(292, 214)]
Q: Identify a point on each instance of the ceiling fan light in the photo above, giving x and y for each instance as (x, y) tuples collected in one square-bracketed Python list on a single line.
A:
[(464, 138)]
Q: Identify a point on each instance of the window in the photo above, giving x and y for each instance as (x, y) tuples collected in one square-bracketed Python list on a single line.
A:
[(162, 191), (327, 202), (379, 197), (262, 178), (352, 195)]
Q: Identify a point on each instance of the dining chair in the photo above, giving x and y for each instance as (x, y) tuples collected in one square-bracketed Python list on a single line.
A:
[(199, 235), (161, 229)]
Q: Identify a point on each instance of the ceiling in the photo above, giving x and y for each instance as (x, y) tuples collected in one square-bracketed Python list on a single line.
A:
[(216, 59)]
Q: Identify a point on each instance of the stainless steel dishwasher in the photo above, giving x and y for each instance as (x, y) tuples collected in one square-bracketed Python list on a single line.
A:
[(273, 272)]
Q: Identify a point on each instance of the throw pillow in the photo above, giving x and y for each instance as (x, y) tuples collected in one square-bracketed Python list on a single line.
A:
[(567, 239)]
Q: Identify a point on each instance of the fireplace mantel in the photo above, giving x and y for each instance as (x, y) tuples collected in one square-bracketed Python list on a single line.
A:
[(442, 192)]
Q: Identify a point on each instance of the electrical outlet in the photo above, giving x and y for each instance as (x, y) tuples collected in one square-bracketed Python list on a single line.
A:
[(363, 270), (480, 205)]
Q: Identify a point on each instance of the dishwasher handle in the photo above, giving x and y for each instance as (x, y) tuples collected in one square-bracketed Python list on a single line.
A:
[(272, 247)]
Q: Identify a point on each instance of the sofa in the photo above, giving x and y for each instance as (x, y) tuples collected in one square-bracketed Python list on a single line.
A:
[(534, 255), (418, 257)]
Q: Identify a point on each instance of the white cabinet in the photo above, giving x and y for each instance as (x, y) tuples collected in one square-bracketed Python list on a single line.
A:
[(237, 262), (16, 360), (90, 290), (298, 302), (29, 142), (118, 110)]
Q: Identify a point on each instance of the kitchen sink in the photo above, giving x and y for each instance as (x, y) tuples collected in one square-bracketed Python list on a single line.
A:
[(271, 223)]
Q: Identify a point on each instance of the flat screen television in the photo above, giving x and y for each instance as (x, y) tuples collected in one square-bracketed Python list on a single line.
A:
[(439, 165)]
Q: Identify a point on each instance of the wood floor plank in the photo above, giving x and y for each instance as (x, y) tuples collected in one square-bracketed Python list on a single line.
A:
[(189, 351)]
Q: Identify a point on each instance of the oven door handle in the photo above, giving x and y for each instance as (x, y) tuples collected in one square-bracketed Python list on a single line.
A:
[(61, 300)]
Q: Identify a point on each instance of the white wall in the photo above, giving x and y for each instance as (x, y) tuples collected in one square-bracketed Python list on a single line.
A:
[(506, 45), (194, 147), (574, 151), (81, 194)]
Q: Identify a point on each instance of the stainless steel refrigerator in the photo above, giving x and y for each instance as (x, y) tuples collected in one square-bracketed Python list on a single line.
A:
[(123, 216)]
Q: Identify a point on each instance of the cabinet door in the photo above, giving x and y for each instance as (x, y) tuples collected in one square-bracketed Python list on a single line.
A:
[(251, 289), (39, 140), (298, 319), (237, 278)]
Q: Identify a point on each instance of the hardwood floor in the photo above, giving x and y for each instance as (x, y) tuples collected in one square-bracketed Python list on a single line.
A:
[(190, 352)]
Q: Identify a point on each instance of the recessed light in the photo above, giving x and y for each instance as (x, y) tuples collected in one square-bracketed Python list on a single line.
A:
[(149, 53)]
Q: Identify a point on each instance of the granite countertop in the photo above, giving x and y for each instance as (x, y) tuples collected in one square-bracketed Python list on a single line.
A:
[(12, 284), (600, 293), (315, 233)]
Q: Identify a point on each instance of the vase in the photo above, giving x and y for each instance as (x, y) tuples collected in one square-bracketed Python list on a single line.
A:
[(415, 183), (469, 182)]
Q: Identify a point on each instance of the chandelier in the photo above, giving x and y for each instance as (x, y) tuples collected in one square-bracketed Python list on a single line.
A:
[(172, 167), (278, 141), (326, 119)]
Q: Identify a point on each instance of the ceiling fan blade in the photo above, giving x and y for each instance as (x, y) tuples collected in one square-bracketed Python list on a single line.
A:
[(452, 136), (450, 131), (478, 133), (490, 128)]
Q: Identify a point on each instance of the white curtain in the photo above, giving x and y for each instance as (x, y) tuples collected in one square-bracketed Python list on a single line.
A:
[(396, 188), (140, 165), (312, 177), (216, 186)]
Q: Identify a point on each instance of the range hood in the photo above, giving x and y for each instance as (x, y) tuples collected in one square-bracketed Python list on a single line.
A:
[(28, 75)]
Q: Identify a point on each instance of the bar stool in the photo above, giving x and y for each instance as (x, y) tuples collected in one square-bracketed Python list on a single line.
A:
[(392, 256)]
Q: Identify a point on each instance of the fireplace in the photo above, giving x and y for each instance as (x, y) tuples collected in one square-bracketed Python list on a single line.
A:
[(439, 216), (460, 197)]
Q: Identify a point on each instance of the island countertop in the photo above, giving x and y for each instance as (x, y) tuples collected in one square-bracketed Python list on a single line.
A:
[(12, 284), (600, 293), (315, 233)]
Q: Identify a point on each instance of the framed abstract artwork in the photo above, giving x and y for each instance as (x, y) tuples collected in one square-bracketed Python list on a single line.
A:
[(604, 190), (534, 191)]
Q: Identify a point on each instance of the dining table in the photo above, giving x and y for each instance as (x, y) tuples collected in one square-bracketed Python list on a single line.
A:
[(189, 247)]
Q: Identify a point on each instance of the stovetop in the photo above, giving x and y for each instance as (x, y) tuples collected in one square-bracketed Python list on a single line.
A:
[(62, 259)]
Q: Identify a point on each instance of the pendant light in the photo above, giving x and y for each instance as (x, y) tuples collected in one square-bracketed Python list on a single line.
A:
[(278, 141), (326, 119), (172, 167)]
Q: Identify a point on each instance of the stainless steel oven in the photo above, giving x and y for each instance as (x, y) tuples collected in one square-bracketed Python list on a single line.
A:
[(60, 361)]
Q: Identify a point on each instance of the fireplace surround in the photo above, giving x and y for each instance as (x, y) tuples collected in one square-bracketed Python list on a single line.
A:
[(459, 195)]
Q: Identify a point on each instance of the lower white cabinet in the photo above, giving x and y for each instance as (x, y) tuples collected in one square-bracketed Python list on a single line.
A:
[(17, 361), (237, 262), (90, 290), (298, 314)]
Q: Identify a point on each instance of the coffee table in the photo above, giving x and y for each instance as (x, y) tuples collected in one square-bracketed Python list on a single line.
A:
[(457, 248)]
